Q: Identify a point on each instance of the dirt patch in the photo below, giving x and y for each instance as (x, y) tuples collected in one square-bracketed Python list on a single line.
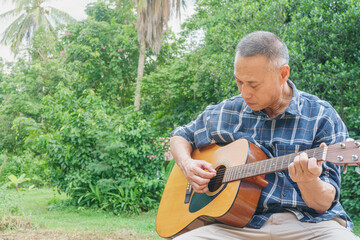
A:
[(11, 222), (42, 234)]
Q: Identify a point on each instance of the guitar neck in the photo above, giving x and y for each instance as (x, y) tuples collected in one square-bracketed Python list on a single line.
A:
[(269, 165)]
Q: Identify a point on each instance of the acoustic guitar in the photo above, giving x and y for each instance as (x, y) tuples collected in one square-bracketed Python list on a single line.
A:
[(235, 190)]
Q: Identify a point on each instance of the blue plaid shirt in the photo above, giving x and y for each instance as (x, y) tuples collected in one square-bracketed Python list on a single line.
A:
[(307, 122)]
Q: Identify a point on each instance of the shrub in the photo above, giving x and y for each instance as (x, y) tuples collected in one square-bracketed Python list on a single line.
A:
[(102, 157)]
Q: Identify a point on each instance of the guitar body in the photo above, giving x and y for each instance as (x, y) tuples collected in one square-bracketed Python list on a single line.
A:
[(232, 203)]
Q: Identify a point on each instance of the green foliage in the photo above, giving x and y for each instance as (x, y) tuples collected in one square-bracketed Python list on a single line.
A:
[(102, 156), (104, 52), (42, 45), (108, 11), (324, 49), (22, 91), (16, 181), (350, 193), (26, 163), (9, 202)]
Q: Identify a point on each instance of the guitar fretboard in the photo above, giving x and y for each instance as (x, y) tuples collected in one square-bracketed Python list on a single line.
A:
[(268, 165)]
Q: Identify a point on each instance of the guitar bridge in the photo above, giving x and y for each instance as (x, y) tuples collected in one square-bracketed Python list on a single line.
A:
[(188, 193)]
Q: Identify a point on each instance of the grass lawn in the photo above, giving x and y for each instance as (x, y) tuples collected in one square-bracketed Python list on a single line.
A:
[(72, 223), (357, 228), (95, 224)]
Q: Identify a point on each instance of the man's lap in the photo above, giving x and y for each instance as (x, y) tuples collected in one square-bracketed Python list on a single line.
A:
[(278, 226)]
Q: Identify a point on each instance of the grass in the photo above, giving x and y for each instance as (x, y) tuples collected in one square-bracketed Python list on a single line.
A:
[(52, 223), (357, 228), (34, 204)]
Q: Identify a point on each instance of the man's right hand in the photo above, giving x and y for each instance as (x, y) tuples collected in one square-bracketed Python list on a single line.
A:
[(198, 174)]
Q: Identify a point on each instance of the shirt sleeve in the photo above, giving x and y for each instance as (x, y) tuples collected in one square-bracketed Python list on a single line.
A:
[(197, 132), (331, 130)]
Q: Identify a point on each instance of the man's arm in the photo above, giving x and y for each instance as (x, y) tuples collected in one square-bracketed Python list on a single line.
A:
[(197, 172), (317, 194)]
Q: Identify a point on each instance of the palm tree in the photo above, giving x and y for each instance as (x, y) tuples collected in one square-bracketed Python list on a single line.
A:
[(30, 16), (153, 16)]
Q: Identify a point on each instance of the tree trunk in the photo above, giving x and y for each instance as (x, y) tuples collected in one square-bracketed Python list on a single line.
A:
[(141, 66)]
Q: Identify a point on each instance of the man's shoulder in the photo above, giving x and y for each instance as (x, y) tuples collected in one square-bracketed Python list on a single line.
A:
[(311, 102)]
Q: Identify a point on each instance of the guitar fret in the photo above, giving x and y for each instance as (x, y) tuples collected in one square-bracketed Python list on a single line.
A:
[(232, 174), (242, 172), (226, 174), (258, 164), (236, 174)]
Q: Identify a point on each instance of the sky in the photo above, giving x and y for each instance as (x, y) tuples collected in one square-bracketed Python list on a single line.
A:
[(76, 8)]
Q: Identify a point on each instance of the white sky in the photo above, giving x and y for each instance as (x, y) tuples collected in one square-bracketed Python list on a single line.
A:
[(76, 8)]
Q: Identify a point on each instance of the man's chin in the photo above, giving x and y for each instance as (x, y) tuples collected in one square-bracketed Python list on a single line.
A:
[(254, 106)]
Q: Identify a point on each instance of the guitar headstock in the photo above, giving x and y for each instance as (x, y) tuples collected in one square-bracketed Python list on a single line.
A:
[(344, 153)]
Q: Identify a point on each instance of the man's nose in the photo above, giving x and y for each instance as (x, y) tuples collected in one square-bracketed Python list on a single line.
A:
[(246, 92)]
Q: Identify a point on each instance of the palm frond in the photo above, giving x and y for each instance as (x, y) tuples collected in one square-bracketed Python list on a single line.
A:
[(25, 31), (60, 16), (6, 15), (8, 36), (32, 16)]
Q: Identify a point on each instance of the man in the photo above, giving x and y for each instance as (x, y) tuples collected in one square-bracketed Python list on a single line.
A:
[(299, 203)]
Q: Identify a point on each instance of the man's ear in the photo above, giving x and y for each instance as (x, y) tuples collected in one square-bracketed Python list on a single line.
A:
[(284, 73)]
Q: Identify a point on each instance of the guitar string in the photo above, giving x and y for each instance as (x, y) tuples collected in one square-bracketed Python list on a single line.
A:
[(221, 172), (251, 166)]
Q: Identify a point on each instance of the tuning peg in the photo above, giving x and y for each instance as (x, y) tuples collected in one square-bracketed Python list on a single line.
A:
[(357, 144), (357, 170), (345, 169)]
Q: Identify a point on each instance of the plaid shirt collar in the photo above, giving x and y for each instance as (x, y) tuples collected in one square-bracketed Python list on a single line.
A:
[(292, 109)]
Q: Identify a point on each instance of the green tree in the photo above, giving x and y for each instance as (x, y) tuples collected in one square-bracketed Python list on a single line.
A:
[(22, 91), (103, 50), (30, 16)]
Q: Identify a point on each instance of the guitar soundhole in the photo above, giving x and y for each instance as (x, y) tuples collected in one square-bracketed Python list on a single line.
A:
[(216, 182)]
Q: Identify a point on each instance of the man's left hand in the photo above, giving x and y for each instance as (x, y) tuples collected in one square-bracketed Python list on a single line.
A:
[(305, 169)]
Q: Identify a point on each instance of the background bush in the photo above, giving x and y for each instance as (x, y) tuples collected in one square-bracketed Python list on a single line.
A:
[(101, 156)]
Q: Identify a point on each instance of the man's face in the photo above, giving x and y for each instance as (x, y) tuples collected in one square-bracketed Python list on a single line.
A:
[(259, 83)]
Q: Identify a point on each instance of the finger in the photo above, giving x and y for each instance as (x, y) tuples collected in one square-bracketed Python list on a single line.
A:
[(200, 181), (199, 186), (292, 171), (208, 166), (303, 162), (323, 144), (292, 166), (201, 170), (313, 167)]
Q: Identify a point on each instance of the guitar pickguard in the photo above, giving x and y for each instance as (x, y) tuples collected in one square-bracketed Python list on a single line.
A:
[(200, 200)]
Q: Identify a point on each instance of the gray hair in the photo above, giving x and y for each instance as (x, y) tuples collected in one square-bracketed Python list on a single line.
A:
[(266, 44)]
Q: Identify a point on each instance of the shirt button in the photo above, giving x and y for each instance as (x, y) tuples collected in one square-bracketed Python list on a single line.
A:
[(284, 194)]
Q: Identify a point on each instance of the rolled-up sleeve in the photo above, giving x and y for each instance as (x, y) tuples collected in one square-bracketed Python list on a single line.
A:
[(187, 132), (197, 132), (333, 130)]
